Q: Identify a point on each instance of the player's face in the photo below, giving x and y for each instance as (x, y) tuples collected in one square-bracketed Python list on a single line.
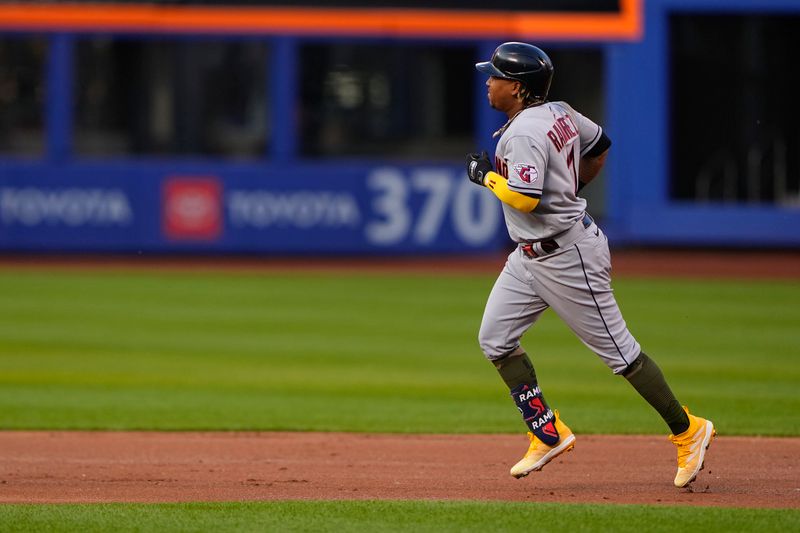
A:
[(502, 93)]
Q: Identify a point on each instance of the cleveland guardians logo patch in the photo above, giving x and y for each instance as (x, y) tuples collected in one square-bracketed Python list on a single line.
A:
[(527, 173)]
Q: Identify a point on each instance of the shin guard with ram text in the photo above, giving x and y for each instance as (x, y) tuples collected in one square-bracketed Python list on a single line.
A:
[(537, 414)]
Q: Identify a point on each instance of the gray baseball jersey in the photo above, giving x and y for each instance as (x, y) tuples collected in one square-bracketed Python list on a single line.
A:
[(567, 264), (539, 153)]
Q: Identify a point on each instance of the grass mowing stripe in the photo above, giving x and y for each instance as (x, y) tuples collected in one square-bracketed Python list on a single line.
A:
[(389, 516), (385, 353)]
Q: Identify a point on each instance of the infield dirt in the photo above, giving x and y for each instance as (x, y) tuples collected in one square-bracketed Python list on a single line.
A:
[(78, 467)]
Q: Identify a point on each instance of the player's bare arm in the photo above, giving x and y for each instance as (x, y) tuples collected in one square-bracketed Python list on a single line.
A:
[(593, 159), (591, 167)]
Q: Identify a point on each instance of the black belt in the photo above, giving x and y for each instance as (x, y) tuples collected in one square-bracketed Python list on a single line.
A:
[(550, 245)]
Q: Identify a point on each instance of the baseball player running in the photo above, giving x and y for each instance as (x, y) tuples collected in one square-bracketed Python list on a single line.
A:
[(546, 153)]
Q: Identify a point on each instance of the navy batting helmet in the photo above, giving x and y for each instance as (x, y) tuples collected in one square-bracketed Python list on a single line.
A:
[(522, 62)]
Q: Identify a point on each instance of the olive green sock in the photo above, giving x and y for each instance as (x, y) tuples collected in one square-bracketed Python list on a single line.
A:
[(516, 369), (648, 380)]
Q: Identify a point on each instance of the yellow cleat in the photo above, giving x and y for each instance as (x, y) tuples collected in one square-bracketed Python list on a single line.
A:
[(692, 445), (539, 453)]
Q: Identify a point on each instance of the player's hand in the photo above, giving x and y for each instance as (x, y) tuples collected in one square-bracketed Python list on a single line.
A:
[(478, 165)]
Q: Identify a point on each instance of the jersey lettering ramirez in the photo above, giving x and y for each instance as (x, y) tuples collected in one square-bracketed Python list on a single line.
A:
[(539, 153)]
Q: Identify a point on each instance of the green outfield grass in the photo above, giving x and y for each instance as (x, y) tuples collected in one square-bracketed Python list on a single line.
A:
[(378, 516), (368, 352)]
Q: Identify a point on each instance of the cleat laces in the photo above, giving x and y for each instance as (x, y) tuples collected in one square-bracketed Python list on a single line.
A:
[(684, 448), (535, 443)]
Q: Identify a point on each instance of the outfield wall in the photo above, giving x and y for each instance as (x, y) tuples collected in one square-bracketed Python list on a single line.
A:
[(247, 208), (284, 201)]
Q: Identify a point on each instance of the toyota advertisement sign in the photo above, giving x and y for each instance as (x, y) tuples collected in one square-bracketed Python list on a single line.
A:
[(369, 210)]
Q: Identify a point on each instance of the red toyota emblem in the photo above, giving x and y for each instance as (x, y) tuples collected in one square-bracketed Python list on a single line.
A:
[(192, 208)]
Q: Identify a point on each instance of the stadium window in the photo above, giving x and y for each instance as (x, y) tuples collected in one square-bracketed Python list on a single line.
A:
[(401, 101), (22, 95), (187, 97), (734, 109)]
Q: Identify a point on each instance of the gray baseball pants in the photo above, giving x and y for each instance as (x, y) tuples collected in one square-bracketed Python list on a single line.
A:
[(575, 280)]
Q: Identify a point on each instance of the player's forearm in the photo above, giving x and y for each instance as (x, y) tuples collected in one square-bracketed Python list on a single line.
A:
[(591, 167), (499, 186)]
